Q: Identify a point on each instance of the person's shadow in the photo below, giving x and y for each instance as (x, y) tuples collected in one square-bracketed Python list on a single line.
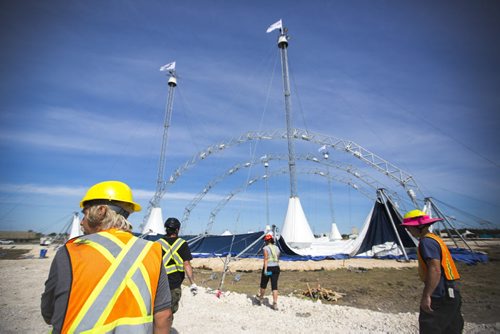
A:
[(255, 301)]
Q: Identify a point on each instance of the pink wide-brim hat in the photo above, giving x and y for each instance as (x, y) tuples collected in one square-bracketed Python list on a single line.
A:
[(419, 221)]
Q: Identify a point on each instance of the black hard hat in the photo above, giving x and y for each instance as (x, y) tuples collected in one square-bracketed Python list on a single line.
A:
[(172, 224)]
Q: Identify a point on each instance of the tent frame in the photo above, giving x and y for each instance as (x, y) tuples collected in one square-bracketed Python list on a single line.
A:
[(446, 222)]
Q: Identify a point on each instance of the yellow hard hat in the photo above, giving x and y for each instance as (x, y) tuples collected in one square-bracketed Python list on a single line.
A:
[(110, 191), (418, 218), (414, 214)]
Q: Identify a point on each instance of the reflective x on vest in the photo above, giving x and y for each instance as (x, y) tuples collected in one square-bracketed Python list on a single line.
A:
[(124, 271), (172, 261)]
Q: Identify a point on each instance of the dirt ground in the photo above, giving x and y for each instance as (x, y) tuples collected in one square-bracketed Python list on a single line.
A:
[(379, 285), (393, 290)]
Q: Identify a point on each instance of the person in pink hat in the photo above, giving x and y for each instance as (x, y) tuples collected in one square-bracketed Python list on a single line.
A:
[(440, 305)]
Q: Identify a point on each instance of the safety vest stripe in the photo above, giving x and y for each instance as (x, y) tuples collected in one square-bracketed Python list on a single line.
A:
[(273, 257), (145, 274), (177, 258), (139, 288), (447, 264), (171, 254), (449, 269), (84, 314), (173, 268), (108, 286), (101, 249), (125, 326), (123, 283), (109, 241), (114, 238)]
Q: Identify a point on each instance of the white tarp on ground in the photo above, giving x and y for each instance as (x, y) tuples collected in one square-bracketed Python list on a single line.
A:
[(154, 225), (76, 229), (296, 230), (324, 247)]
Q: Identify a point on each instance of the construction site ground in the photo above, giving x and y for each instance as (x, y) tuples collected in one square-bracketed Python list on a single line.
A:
[(380, 285)]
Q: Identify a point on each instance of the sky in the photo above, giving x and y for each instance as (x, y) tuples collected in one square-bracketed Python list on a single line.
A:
[(82, 101)]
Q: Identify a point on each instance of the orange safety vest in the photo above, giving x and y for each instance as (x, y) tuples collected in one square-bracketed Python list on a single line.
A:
[(172, 261), (114, 280), (447, 263)]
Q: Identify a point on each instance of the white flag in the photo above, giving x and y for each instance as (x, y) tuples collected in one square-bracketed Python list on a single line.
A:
[(274, 26), (168, 67)]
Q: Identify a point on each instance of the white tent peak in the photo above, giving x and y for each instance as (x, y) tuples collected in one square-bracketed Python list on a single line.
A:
[(154, 224), (296, 230), (76, 229)]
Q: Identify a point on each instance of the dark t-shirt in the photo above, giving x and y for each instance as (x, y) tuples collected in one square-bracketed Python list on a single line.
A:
[(175, 279), (430, 249)]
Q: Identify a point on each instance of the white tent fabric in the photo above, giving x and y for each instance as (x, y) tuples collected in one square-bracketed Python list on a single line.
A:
[(326, 247), (226, 232), (76, 229), (154, 225), (334, 233), (296, 230)]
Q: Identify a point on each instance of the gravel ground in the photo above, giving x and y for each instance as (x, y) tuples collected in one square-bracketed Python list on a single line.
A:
[(22, 282)]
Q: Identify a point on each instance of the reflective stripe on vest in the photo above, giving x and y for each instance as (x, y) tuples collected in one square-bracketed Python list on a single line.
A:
[(447, 263), (126, 270), (273, 257), (172, 261)]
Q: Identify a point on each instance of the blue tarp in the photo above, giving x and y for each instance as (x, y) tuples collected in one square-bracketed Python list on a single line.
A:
[(221, 245), (461, 255), (217, 245)]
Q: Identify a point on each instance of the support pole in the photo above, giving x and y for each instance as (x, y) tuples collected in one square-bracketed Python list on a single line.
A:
[(251, 245), (283, 45), (225, 269), (266, 166), (172, 83), (445, 218)]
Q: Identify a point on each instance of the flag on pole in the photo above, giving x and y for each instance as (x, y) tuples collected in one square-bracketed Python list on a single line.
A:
[(274, 26), (168, 67)]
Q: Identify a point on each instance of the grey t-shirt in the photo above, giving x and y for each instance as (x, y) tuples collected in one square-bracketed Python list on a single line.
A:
[(58, 285)]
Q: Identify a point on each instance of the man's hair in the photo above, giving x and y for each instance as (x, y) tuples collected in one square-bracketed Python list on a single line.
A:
[(106, 220)]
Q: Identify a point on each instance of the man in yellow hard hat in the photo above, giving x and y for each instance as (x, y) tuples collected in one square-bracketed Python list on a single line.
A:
[(108, 280), (441, 302)]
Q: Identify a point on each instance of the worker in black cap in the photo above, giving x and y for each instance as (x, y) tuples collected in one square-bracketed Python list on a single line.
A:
[(176, 258)]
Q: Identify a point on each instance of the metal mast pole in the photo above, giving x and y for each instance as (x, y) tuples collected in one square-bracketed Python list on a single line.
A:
[(266, 166), (283, 45), (172, 83), (330, 196)]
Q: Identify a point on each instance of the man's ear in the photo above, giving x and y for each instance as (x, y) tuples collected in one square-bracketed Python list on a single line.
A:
[(102, 209)]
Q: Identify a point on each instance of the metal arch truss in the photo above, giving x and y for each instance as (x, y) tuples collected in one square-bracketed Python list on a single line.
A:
[(363, 177), (383, 166), (346, 180)]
